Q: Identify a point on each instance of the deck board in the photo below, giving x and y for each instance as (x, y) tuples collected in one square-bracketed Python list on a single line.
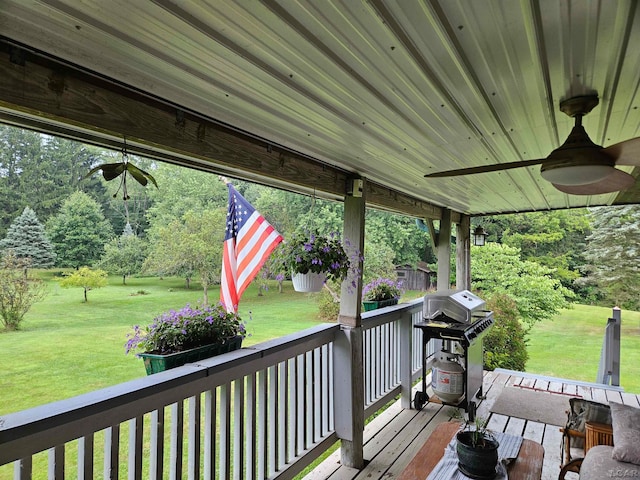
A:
[(395, 436)]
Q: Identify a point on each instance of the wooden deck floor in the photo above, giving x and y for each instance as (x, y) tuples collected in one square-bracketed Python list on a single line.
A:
[(393, 438)]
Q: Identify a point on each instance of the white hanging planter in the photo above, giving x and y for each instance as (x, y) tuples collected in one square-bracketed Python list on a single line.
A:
[(308, 282)]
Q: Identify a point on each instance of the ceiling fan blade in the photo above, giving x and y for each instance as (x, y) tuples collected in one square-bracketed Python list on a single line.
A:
[(485, 168), (618, 180), (626, 153)]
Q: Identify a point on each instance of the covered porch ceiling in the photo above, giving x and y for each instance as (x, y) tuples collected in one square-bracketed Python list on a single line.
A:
[(306, 94)]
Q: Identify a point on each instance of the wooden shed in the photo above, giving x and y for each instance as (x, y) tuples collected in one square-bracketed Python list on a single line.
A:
[(418, 277)]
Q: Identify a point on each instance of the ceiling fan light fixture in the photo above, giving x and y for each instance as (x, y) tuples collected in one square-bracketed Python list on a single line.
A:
[(576, 174)]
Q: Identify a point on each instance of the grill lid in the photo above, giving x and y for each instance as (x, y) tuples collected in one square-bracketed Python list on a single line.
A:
[(458, 305)]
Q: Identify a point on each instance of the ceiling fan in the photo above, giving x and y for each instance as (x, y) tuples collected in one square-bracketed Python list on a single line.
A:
[(578, 166)]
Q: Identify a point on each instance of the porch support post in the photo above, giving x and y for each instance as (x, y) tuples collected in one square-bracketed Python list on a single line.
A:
[(463, 253), (406, 356), (348, 368), (443, 251)]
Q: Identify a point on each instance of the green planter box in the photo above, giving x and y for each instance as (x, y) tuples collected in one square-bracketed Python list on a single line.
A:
[(155, 363), (372, 305)]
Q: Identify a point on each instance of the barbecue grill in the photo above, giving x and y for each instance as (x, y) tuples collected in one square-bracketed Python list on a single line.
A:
[(458, 319)]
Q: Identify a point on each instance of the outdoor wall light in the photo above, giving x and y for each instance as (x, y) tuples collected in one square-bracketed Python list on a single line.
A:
[(479, 236)]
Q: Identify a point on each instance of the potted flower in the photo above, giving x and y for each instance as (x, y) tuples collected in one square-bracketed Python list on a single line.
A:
[(313, 259), (477, 450), (187, 335), (381, 292)]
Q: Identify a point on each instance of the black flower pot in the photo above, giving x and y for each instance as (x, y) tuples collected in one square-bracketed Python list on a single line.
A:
[(477, 461)]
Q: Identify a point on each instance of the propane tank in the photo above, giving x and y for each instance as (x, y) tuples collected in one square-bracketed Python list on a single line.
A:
[(447, 378)]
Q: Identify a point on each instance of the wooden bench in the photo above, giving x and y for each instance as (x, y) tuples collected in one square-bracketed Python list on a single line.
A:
[(528, 465)]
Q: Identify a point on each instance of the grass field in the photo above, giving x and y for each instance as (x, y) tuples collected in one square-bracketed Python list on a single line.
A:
[(569, 346)]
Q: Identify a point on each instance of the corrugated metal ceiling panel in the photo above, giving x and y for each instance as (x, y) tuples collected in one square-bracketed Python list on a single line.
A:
[(389, 90)]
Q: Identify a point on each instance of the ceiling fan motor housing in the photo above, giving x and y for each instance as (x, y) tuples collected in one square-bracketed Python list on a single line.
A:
[(578, 161)]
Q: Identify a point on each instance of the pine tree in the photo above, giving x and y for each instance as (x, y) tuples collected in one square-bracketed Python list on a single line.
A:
[(27, 239), (612, 253)]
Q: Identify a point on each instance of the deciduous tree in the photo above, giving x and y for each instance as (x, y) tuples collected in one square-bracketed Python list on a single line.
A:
[(124, 255), (79, 231), (86, 278), (188, 247), (498, 268)]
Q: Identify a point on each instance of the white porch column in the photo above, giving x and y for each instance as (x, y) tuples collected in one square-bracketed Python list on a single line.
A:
[(463, 253), (348, 367), (443, 251)]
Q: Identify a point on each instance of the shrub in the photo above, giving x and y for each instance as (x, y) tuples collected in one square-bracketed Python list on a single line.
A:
[(505, 345), (328, 307), (18, 291)]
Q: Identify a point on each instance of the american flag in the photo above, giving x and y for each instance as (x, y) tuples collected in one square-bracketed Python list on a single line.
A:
[(248, 241)]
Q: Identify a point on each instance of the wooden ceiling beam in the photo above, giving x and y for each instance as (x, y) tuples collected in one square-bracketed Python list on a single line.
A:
[(47, 95)]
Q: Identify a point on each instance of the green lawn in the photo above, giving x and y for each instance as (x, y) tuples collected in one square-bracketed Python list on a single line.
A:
[(67, 347), (570, 345)]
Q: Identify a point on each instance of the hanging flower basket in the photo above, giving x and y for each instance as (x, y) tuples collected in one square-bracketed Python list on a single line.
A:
[(314, 259), (308, 282)]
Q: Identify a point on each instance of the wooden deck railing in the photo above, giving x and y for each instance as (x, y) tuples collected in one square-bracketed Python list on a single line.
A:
[(265, 411)]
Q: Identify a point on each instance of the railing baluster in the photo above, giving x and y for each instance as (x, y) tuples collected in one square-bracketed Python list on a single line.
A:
[(291, 410), (56, 463), (238, 428), (377, 351), (301, 404), (135, 447), (283, 375), (193, 446), (325, 390), (389, 348), (262, 425), (366, 352), (225, 431), (112, 452), (22, 469), (156, 445), (177, 434), (210, 415), (272, 423), (317, 396), (308, 388), (85, 457), (331, 424), (251, 426)]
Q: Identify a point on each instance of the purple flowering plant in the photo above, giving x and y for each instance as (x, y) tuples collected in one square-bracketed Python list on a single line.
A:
[(382, 289), (190, 327), (319, 254)]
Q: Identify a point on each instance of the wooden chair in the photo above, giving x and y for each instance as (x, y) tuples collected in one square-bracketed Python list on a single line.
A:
[(595, 434)]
